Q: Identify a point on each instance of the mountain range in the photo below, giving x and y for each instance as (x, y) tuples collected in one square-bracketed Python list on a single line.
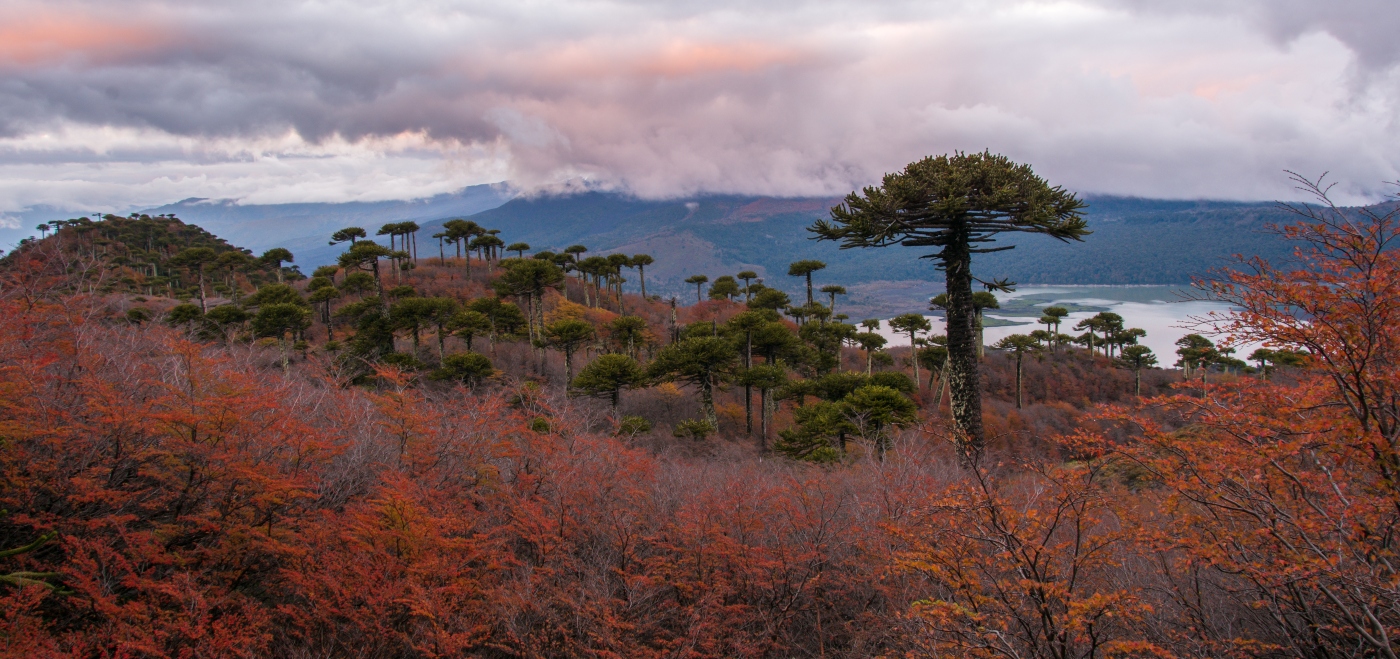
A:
[(1134, 241)]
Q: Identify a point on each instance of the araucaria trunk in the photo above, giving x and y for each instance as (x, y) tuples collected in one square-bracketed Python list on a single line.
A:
[(1018, 381), (707, 402), (963, 377)]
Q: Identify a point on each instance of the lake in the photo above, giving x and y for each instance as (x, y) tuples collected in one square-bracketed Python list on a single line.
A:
[(1160, 310)]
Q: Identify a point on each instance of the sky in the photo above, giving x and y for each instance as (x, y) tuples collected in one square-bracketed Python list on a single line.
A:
[(114, 105)]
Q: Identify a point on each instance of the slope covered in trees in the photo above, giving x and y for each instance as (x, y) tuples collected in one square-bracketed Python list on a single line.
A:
[(151, 255), (389, 459)]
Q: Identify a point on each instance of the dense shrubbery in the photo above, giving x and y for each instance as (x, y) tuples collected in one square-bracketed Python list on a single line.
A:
[(177, 491)]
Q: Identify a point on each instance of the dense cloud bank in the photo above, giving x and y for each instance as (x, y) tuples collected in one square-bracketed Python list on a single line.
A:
[(114, 104)]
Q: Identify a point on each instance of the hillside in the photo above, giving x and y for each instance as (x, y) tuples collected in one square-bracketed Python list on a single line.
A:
[(149, 255)]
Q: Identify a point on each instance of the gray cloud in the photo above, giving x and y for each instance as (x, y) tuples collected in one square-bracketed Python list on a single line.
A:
[(114, 103)]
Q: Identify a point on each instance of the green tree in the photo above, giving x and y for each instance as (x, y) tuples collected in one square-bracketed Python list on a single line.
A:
[(409, 230), (469, 368), (833, 290), (826, 340), (518, 248), (813, 429), (365, 256), (766, 378), (275, 257), (748, 276), (873, 409), (275, 294), (701, 361), (769, 298), (504, 318), (1195, 352), (567, 335), (351, 234), (469, 324), (1054, 314), (627, 333), (196, 259), (231, 262), (724, 288), (698, 280), (911, 324), (412, 315), (640, 262), (608, 375), (440, 313), (870, 342), (956, 204), (528, 279), (357, 283), (695, 429), (743, 326), (284, 321), (1019, 345), (323, 297), (183, 314), (805, 268), (1137, 357)]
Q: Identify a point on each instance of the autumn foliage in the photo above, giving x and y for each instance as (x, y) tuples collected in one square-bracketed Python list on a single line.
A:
[(165, 496)]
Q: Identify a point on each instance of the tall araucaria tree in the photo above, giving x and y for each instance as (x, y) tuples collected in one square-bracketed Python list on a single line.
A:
[(956, 204), (640, 262), (805, 269)]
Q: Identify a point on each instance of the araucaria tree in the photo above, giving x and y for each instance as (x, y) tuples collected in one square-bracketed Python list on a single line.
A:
[(701, 361), (805, 269), (956, 204), (567, 335), (607, 375)]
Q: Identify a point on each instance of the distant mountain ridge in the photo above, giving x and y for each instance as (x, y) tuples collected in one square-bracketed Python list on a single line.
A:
[(1134, 240), (304, 228)]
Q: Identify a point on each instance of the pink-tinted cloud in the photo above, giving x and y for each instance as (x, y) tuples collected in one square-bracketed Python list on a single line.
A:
[(792, 97), (47, 38)]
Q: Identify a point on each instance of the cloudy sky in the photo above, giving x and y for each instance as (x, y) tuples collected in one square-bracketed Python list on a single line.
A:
[(117, 104)]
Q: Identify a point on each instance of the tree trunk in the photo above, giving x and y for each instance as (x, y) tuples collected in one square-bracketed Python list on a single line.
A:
[(809, 289), (203, 307), (1137, 382), (707, 402), (1018, 380), (379, 283), (642, 275), (763, 397), (914, 357), (981, 341), (963, 373)]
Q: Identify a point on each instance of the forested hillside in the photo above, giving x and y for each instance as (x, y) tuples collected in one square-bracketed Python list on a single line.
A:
[(158, 255), (489, 448)]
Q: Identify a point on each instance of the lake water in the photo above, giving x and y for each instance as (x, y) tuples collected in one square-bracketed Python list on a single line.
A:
[(1162, 311)]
